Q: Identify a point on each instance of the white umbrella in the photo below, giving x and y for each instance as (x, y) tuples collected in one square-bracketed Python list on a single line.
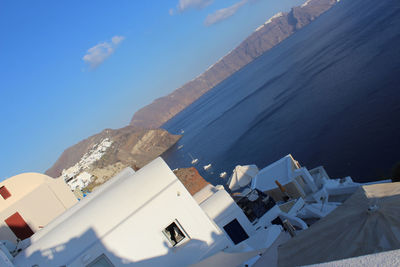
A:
[(368, 222), (242, 176)]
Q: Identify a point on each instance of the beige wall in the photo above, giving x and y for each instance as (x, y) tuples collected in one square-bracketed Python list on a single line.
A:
[(63, 192), (38, 199), (19, 186)]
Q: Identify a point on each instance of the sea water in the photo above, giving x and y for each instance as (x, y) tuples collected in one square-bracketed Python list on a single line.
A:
[(329, 95)]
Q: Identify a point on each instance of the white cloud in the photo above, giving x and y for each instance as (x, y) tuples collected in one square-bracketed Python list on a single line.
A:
[(223, 13), (188, 4), (100, 52), (117, 39)]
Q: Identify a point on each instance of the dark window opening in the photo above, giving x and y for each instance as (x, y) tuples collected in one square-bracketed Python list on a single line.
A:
[(277, 221), (235, 232), (174, 234), (4, 192), (101, 261), (255, 208)]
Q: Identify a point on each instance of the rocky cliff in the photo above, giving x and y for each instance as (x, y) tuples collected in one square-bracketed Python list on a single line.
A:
[(271, 33), (106, 153)]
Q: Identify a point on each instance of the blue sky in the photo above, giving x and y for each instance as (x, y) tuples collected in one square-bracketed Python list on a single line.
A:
[(69, 69)]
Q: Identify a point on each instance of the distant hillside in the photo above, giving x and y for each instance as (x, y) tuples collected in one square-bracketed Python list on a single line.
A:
[(110, 151), (274, 31)]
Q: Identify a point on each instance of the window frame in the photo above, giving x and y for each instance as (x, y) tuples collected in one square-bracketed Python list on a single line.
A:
[(4, 192), (101, 256), (181, 229)]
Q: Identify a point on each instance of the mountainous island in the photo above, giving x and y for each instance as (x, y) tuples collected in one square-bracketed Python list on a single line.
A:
[(99, 157), (265, 37)]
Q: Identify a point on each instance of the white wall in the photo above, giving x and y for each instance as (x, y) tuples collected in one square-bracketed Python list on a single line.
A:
[(126, 223), (221, 208)]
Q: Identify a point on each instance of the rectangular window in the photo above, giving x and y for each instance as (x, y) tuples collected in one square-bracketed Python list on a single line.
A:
[(174, 233), (4, 192), (235, 231), (101, 261)]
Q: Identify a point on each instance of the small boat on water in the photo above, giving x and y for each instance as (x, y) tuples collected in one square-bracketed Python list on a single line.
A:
[(194, 161), (179, 147), (182, 131), (222, 174), (206, 167)]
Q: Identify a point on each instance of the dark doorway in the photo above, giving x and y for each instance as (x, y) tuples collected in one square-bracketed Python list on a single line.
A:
[(19, 227), (235, 231)]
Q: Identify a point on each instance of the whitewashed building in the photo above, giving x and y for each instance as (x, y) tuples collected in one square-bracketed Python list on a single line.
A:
[(147, 218)]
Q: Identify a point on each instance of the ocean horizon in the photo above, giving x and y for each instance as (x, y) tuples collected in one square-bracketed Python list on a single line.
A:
[(329, 95)]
